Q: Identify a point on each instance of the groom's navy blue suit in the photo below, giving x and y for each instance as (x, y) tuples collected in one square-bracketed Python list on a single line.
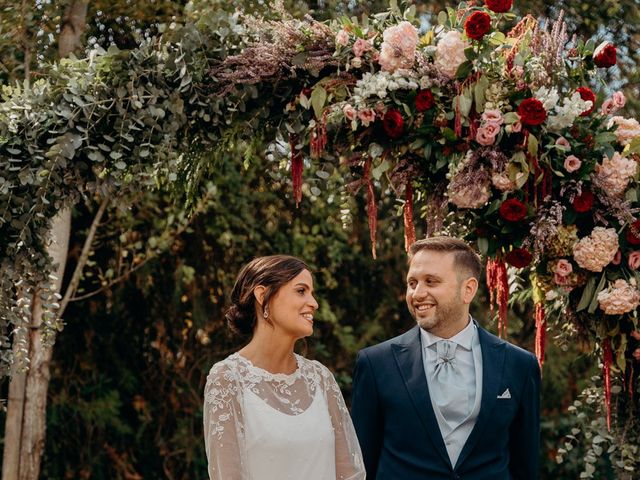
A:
[(397, 427)]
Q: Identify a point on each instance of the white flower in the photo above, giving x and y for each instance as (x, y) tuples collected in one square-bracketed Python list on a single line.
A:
[(450, 53), (548, 97)]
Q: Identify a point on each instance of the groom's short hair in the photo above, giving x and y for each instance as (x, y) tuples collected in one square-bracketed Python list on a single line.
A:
[(465, 257)]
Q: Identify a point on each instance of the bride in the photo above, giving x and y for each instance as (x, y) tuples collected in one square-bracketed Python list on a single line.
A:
[(270, 414)]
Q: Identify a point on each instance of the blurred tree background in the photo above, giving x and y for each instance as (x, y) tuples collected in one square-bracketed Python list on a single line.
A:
[(129, 368)]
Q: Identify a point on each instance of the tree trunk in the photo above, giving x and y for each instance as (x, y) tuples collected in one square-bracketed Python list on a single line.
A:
[(27, 406)]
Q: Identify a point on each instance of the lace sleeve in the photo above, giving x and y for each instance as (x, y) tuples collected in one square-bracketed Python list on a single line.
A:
[(349, 464), (223, 424)]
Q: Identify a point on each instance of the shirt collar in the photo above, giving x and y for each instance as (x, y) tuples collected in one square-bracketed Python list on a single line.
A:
[(464, 338)]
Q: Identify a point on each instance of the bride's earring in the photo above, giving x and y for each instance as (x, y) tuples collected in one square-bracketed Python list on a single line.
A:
[(265, 314)]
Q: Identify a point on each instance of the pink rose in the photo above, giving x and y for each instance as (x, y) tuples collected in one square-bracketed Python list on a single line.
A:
[(560, 279), (608, 107), (492, 116), (342, 38), (634, 260), (516, 126), (563, 267), (361, 46), (572, 163), (366, 116), (349, 112), (563, 142), (486, 134), (619, 100)]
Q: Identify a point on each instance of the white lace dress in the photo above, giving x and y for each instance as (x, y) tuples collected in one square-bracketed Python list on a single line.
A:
[(264, 426)]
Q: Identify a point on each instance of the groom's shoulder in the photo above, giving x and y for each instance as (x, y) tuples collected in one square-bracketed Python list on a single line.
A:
[(384, 348)]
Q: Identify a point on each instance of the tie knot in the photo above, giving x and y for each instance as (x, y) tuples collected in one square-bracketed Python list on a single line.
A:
[(446, 351)]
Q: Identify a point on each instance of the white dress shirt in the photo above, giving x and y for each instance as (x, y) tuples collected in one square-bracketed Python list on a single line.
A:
[(468, 359)]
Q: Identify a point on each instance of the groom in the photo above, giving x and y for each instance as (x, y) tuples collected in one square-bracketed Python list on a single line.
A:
[(446, 400)]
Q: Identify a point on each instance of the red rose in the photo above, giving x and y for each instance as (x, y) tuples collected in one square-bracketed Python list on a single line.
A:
[(393, 123), (532, 112), (513, 210), (631, 237), (518, 257), (587, 95), (605, 55), (478, 24), (424, 100), (583, 202), (499, 6)]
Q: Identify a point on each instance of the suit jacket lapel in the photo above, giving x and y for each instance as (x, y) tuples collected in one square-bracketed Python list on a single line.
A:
[(492, 369), (408, 356)]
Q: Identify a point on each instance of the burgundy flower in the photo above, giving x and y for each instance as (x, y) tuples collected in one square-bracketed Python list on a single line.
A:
[(631, 237), (513, 210), (518, 257), (424, 100), (583, 202), (532, 112), (605, 55), (587, 94), (499, 6), (393, 124), (478, 24)]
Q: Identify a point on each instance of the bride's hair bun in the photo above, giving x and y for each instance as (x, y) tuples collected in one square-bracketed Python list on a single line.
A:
[(271, 272), (239, 322)]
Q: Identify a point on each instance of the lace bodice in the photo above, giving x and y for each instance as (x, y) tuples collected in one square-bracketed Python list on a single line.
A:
[(260, 425)]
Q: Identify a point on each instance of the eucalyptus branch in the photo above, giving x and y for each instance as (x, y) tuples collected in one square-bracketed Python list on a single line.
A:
[(84, 256)]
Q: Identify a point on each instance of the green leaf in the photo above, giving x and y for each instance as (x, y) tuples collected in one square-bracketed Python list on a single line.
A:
[(532, 145), (380, 169), (318, 98), (594, 300), (483, 245), (464, 69), (442, 18), (587, 294)]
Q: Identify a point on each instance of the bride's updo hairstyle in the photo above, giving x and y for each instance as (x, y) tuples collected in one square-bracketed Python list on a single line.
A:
[(272, 272)]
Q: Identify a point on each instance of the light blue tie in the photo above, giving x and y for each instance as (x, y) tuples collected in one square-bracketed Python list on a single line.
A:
[(449, 392)]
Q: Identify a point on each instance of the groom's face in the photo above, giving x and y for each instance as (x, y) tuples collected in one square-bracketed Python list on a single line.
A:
[(434, 293)]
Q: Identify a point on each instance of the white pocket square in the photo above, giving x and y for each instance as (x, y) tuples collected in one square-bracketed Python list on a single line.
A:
[(506, 394)]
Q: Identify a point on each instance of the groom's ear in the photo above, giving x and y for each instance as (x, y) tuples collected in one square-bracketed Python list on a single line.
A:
[(469, 289)]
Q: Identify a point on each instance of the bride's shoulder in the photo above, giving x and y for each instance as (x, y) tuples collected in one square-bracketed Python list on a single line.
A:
[(224, 370), (314, 366)]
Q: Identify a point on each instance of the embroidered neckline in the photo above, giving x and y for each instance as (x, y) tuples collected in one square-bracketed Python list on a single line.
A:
[(267, 375)]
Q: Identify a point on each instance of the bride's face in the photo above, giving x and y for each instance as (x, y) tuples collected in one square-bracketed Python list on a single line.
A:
[(292, 307)]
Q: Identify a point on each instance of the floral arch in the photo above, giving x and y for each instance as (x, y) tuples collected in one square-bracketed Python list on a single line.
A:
[(486, 116)]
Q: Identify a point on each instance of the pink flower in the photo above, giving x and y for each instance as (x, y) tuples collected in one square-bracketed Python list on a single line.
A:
[(502, 182), (361, 46), (635, 334), (492, 116), (450, 53), (636, 354), (516, 126), (563, 142), (628, 129), (366, 116), (596, 251), (572, 163), (619, 298), (469, 195), (486, 134), (634, 260), (349, 112), (561, 279), (614, 173), (563, 267), (342, 38), (608, 107), (398, 48), (619, 100)]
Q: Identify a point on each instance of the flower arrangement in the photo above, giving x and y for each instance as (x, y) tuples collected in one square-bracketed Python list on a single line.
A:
[(496, 120)]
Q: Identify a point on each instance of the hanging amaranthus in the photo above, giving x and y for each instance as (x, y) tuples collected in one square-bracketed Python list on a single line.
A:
[(372, 207), (319, 136), (297, 165), (409, 227), (607, 361), (541, 333), (498, 291)]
